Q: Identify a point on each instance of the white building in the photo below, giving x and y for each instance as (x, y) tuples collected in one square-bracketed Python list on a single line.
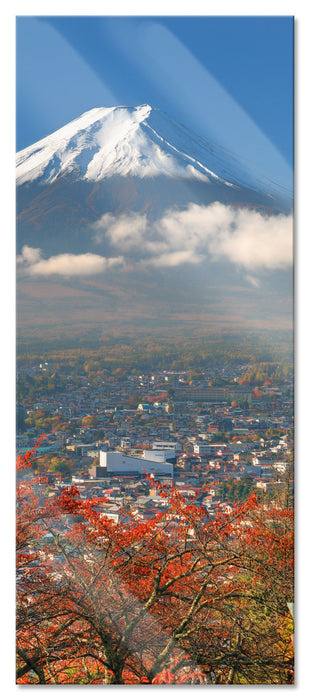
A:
[(159, 455), (206, 449), (164, 445), (118, 463), (126, 442), (281, 466)]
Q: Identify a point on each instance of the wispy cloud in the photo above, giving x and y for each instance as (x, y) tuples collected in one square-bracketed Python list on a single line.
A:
[(255, 241), (29, 256), (126, 231), (244, 237), (253, 281), (32, 263), (174, 259)]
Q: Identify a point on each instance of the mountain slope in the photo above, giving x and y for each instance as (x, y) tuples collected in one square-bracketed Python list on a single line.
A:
[(124, 216), (119, 159), (141, 141), (105, 142)]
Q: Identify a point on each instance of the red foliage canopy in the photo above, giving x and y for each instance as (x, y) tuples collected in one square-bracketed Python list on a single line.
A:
[(180, 598)]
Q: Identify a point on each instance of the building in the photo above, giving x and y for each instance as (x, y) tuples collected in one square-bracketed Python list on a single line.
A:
[(118, 463), (206, 449), (213, 394), (126, 442), (160, 455), (165, 445)]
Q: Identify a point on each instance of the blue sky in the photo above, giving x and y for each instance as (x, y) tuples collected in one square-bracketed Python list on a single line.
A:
[(227, 78)]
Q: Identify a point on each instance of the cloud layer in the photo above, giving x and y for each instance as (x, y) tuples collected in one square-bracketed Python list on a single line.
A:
[(66, 265), (248, 239), (244, 237)]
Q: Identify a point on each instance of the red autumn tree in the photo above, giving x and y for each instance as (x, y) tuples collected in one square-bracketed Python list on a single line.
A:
[(179, 598)]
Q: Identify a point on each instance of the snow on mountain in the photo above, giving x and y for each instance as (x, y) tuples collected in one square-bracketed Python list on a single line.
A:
[(144, 222), (140, 141)]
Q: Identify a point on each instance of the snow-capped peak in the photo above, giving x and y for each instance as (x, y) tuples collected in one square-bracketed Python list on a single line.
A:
[(107, 141)]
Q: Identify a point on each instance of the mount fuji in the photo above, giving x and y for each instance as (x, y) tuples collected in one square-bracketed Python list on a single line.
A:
[(123, 212), (141, 141)]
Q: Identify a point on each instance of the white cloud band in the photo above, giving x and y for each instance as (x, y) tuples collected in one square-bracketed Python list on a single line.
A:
[(65, 264), (245, 237)]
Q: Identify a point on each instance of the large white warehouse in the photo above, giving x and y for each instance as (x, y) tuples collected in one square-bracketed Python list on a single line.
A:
[(118, 463)]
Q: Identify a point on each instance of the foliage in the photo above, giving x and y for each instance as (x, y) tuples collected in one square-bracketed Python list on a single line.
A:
[(127, 354), (265, 373), (42, 419), (47, 383), (53, 464), (176, 599), (236, 490), (89, 421)]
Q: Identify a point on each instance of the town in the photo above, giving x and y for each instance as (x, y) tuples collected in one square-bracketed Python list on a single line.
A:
[(117, 434)]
